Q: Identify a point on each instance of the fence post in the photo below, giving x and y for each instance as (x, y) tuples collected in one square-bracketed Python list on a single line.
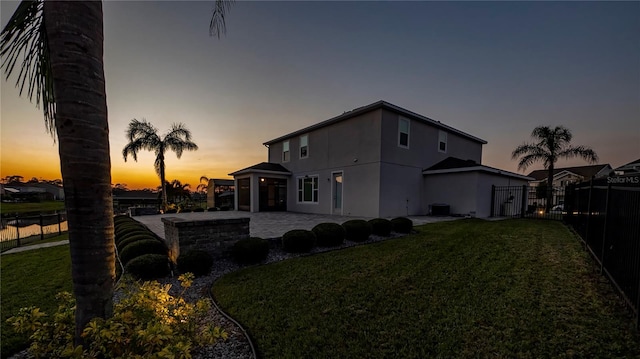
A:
[(41, 229), (604, 232), (586, 234), (59, 225), (17, 232), (493, 199), (523, 205)]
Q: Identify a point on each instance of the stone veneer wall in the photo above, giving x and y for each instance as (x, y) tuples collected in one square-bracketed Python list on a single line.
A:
[(215, 236)]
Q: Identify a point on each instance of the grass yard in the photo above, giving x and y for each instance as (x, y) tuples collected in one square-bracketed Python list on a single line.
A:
[(462, 289), (31, 278), (31, 207)]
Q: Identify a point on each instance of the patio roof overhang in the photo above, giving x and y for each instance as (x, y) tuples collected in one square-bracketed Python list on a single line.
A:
[(478, 168), (263, 168)]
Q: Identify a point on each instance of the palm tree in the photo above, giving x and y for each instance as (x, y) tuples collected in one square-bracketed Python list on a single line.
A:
[(60, 48), (550, 145), (204, 183), (143, 136)]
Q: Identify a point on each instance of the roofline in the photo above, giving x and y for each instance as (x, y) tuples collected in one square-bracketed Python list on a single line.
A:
[(479, 169), (253, 170), (374, 106)]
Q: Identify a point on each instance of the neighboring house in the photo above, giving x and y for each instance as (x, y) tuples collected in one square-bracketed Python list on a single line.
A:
[(32, 191), (56, 191), (125, 199), (630, 168), (562, 177), (379, 160)]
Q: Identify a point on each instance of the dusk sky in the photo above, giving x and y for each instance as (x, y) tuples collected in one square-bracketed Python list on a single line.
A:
[(492, 69)]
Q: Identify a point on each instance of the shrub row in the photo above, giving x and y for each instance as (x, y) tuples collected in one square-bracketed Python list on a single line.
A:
[(333, 234), (143, 255)]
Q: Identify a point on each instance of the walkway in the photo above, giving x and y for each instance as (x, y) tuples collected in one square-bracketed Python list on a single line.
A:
[(269, 224), (35, 246)]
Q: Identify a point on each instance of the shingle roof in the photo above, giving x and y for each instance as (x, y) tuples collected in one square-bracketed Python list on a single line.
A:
[(262, 167), (452, 162), (371, 107), (584, 171)]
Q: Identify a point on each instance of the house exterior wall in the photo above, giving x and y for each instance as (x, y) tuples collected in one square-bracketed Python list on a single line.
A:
[(458, 190), (401, 191), (423, 144), (485, 181)]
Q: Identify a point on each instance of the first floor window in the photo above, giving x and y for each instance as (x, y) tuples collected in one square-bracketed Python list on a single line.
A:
[(308, 189)]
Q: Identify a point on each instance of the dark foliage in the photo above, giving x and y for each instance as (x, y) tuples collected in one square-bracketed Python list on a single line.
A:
[(381, 227), (329, 234), (148, 266), (195, 261), (357, 230), (402, 225), (138, 248), (298, 241), (250, 251)]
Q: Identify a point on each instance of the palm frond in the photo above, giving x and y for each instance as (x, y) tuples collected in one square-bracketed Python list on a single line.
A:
[(157, 164), (529, 153), (204, 179), (142, 136), (178, 139), (585, 152), (25, 38), (218, 25)]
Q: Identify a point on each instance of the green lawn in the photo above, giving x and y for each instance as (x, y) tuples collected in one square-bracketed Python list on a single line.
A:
[(31, 207), (462, 289), (31, 278)]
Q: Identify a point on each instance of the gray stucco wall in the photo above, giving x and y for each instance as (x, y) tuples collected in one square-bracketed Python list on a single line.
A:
[(458, 190), (401, 191), (423, 144)]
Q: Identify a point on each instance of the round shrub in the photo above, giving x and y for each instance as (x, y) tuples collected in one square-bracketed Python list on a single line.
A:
[(212, 209), (148, 266), (329, 234), (139, 237), (298, 241), (381, 227), (195, 261), (357, 230), (119, 230), (138, 248), (130, 232), (250, 250), (173, 210), (199, 209), (402, 225)]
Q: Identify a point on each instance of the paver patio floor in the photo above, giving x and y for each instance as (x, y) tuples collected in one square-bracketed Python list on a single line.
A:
[(269, 224)]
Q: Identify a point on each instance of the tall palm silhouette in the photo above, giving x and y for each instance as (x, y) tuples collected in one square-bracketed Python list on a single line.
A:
[(58, 47), (550, 145), (143, 136)]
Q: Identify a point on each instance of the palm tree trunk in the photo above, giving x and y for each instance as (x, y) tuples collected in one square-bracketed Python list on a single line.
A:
[(75, 35), (549, 188), (164, 183)]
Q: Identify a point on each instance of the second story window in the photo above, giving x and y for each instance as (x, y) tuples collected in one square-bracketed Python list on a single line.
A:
[(442, 141), (304, 146), (285, 151), (403, 132)]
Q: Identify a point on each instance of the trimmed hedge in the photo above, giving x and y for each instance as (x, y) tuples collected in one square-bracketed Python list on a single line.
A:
[(131, 233), (141, 247), (171, 211), (402, 225), (250, 250), (357, 230), (195, 261), (329, 234), (212, 209), (298, 241), (199, 209), (135, 238), (381, 227), (148, 266)]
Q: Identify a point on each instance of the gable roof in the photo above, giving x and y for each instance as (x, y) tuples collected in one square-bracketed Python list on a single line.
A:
[(584, 171), (633, 166), (374, 106), (263, 167), (456, 165)]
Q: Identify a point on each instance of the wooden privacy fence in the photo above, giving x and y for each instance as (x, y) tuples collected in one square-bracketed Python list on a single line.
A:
[(19, 230), (606, 214)]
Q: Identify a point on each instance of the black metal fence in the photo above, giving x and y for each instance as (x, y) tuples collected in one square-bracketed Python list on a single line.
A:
[(527, 202), (606, 214), (17, 231)]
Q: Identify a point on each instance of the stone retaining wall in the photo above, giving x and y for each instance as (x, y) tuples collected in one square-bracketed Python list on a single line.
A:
[(215, 236)]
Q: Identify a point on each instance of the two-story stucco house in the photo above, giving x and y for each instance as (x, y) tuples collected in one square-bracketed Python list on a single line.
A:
[(379, 160)]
